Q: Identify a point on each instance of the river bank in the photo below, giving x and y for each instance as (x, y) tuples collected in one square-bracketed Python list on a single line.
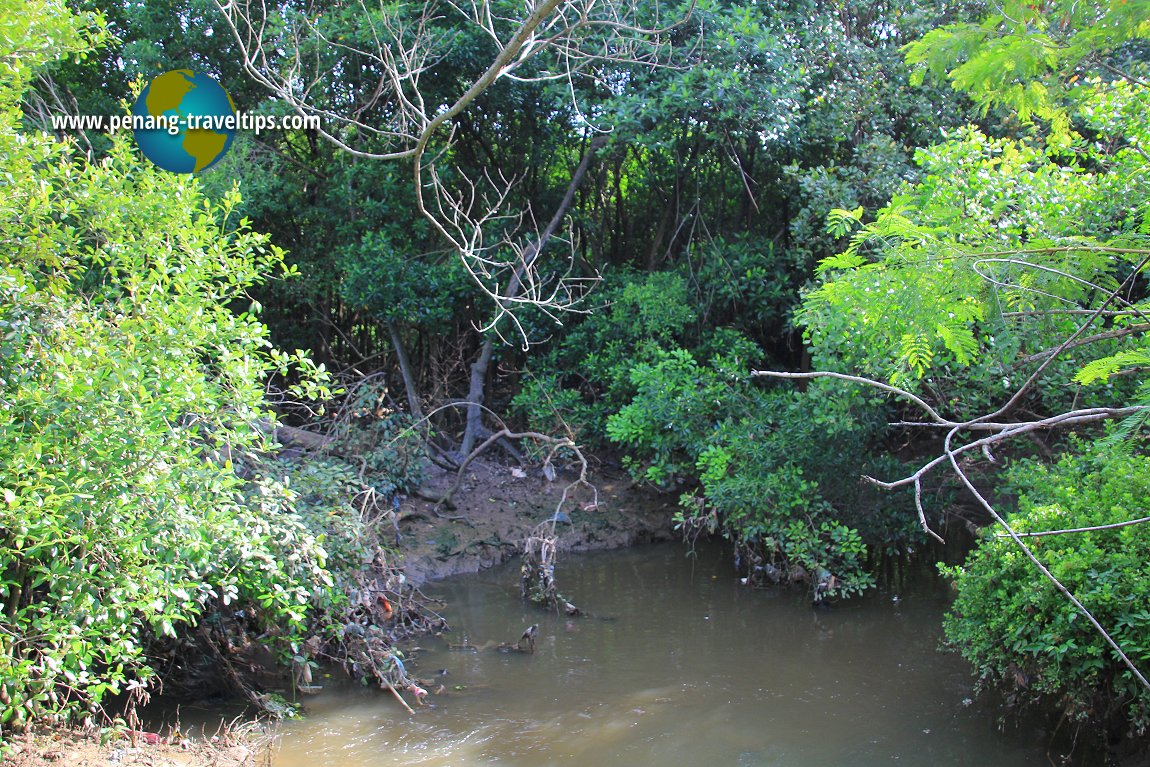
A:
[(498, 505)]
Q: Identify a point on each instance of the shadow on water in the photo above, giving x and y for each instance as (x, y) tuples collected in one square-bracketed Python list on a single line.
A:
[(676, 665)]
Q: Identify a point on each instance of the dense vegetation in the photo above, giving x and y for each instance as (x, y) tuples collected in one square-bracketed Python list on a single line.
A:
[(130, 389), (942, 210), (143, 518)]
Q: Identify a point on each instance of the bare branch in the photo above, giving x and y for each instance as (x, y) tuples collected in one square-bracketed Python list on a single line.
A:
[(392, 120), (556, 443), (1108, 335), (931, 412), (1002, 432), (1034, 376), (922, 512), (1044, 312), (1065, 275), (1112, 526)]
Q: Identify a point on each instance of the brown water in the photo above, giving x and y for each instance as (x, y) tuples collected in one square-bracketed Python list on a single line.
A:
[(678, 665)]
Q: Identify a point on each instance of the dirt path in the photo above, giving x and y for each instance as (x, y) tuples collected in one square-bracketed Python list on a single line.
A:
[(497, 506)]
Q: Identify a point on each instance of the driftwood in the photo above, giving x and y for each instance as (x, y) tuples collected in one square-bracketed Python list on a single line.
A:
[(306, 440), (526, 641)]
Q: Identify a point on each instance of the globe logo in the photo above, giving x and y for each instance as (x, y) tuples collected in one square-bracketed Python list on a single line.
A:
[(200, 119)]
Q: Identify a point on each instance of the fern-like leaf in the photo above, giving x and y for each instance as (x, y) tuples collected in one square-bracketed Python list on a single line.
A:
[(914, 348), (959, 340), (1102, 369), (846, 260)]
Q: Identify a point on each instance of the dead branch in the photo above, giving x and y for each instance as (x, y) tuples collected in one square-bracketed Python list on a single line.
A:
[(537, 572), (564, 40), (1106, 336), (1002, 431), (1111, 526), (307, 440), (931, 412)]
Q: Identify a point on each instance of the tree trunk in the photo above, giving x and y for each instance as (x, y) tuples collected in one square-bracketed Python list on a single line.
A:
[(475, 397), (475, 391), (405, 371)]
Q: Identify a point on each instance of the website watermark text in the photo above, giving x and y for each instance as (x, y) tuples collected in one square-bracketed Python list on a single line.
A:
[(174, 124)]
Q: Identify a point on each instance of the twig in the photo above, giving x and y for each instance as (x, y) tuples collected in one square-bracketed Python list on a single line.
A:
[(931, 412), (556, 443), (1108, 335), (387, 683)]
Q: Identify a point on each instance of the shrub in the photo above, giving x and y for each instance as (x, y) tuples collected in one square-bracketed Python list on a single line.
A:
[(131, 402), (1028, 640)]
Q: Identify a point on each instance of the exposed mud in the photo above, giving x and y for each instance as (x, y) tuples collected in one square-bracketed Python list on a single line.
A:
[(497, 506)]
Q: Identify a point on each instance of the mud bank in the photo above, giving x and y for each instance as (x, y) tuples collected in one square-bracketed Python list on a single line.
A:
[(497, 506)]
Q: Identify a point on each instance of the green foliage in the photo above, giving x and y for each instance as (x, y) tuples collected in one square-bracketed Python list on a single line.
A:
[(677, 406), (741, 79), (1023, 56), (353, 504), (867, 177), (780, 523), (551, 408), (918, 306), (46, 33), (382, 278), (389, 449), (740, 284), (768, 465), (971, 277), (960, 277), (774, 478), (750, 451), (131, 415), (655, 307), (642, 315), (1024, 637)]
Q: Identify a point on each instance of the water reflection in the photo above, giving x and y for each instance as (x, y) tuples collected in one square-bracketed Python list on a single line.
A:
[(676, 665)]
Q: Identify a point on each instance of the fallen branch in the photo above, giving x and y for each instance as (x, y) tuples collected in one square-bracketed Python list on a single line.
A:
[(398, 697), (308, 440)]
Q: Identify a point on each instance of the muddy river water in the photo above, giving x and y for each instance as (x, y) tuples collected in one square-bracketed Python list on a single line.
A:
[(675, 665)]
